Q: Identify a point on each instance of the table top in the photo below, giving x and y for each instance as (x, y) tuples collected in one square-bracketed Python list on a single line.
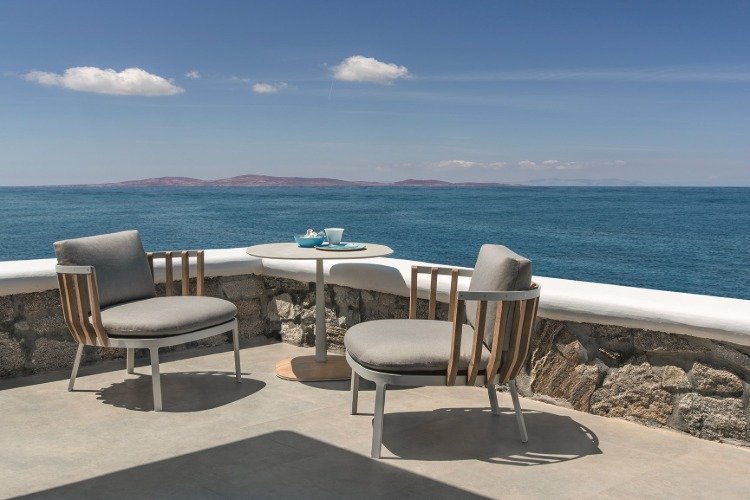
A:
[(291, 251)]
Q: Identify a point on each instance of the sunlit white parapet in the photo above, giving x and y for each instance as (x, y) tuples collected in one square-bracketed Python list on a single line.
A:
[(717, 318)]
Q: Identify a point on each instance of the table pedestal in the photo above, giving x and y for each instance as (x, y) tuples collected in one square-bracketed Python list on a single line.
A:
[(321, 366)]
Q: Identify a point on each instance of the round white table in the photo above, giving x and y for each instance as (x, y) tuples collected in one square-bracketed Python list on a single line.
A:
[(321, 366)]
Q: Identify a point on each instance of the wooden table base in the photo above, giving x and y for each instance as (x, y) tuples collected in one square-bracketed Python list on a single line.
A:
[(306, 369)]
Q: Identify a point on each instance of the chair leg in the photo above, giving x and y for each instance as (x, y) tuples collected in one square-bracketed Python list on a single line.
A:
[(130, 359), (76, 364), (155, 378), (519, 414), (355, 391), (236, 342), (492, 392), (377, 427)]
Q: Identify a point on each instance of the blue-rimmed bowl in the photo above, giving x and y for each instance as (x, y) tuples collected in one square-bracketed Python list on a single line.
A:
[(307, 241)]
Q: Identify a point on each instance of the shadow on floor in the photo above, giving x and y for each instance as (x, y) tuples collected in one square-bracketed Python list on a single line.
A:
[(474, 433), (113, 365), (181, 392), (345, 385), (280, 464)]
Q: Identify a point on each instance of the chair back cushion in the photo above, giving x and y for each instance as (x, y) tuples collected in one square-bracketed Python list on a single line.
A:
[(497, 269), (122, 270)]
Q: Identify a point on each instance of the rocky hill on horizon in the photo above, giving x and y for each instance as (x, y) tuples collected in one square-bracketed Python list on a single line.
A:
[(269, 180), (256, 180)]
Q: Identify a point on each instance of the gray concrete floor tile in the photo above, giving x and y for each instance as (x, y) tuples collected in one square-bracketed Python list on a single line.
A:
[(272, 438)]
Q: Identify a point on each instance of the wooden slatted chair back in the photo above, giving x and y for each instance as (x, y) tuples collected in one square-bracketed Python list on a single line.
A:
[(184, 256), (434, 272)]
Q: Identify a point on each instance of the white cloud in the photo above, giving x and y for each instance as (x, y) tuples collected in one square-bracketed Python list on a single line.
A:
[(130, 81), (369, 69), (456, 164), (497, 164), (620, 163), (240, 79), (567, 165), (193, 74), (550, 164), (268, 88), (528, 164), (466, 164)]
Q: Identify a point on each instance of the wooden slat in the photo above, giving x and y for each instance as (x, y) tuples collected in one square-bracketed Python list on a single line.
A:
[(454, 289), (169, 283), (81, 310), (526, 330), (455, 344), (70, 286), (433, 293), (150, 257), (201, 277), (86, 298), (185, 273), (413, 293), (496, 350), (476, 348), (515, 341), (62, 281), (96, 318)]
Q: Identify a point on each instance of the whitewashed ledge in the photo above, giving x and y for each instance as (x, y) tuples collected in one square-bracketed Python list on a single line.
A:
[(717, 318)]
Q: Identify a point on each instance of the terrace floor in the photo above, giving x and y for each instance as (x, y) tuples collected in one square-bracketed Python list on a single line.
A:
[(271, 438)]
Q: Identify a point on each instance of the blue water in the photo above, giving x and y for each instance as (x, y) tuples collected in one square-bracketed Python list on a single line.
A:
[(684, 239)]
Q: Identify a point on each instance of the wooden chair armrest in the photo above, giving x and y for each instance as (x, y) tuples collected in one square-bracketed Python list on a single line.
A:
[(498, 296), (61, 269), (444, 270), (169, 269)]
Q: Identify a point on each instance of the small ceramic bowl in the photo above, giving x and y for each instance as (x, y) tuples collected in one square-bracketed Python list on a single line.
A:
[(307, 241)]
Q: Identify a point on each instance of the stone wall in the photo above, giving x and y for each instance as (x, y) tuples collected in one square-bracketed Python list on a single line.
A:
[(694, 385), (690, 384)]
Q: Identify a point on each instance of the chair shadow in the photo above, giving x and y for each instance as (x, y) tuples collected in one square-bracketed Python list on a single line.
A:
[(113, 365), (345, 385), (181, 392), (450, 434)]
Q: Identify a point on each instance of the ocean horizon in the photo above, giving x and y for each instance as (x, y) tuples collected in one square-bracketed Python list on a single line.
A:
[(686, 239)]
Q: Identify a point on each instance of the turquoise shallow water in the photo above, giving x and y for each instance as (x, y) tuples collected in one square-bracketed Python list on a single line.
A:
[(684, 239)]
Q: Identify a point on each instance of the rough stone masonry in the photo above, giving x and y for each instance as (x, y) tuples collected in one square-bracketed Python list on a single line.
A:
[(694, 385)]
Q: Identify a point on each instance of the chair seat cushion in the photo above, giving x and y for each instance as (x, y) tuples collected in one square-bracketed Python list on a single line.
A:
[(166, 316), (408, 345)]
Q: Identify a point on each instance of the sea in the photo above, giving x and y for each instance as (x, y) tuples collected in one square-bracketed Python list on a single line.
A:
[(694, 240)]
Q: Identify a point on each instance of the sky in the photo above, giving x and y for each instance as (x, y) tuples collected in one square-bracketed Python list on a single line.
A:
[(485, 91)]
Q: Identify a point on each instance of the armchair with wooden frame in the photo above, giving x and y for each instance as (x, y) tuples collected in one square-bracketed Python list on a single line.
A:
[(108, 299), (501, 305)]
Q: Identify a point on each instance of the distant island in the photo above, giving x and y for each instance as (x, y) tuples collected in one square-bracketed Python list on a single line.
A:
[(269, 180), (254, 180)]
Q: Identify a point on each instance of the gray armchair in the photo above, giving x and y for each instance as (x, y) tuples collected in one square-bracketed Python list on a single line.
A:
[(109, 300), (489, 350)]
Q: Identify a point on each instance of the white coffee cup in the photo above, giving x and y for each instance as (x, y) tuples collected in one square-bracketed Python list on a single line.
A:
[(334, 234)]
